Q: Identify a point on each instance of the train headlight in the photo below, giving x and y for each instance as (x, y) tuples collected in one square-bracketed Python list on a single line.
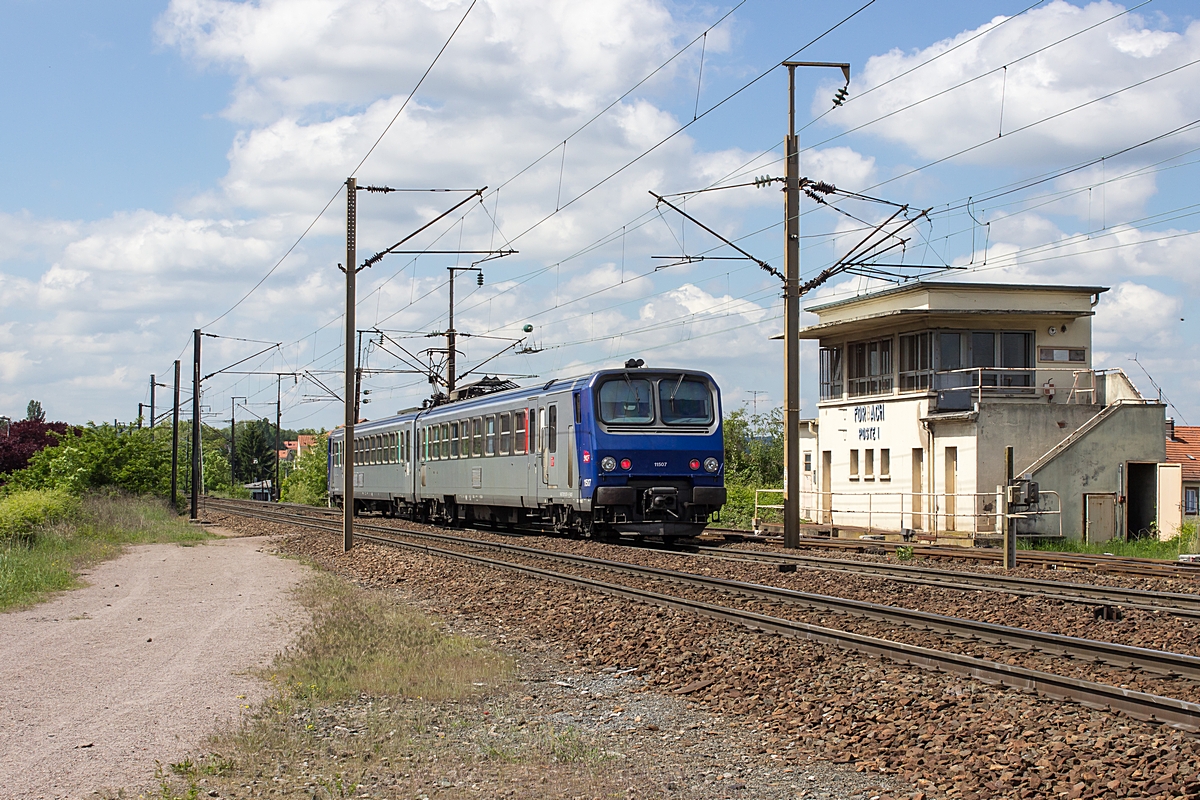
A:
[(608, 463), (711, 464)]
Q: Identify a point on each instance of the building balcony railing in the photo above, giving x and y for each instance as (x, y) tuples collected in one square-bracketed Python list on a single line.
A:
[(964, 389)]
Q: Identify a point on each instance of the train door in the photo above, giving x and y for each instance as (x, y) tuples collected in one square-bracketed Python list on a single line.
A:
[(554, 454), (533, 456)]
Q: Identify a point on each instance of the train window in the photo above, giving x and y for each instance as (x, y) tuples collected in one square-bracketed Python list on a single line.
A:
[(519, 440), (477, 436), (369, 446), (407, 446), (578, 409), (685, 401), (505, 433), (395, 451), (489, 438), (422, 453), (464, 449), (533, 432), (445, 440), (454, 436), (626, 401), (552, 430), (377, 449)]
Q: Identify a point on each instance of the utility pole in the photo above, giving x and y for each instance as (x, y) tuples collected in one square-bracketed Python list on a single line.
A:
[(195, 509), (452, 334), (791, 313), (153, 384), (233, 439), (1010, 534), (351, 359), (278, 493), (141, 407), (175, 445)]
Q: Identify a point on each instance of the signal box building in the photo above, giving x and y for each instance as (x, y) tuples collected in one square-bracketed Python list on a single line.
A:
[(922, 387)]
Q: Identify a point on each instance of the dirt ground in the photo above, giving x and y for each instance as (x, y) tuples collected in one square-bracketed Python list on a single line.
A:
[(140, 666)]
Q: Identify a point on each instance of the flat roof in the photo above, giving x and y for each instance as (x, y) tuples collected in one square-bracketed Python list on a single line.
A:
[(960, 286)]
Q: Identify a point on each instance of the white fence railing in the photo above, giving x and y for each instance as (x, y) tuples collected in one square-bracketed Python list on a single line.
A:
[(967, 514)]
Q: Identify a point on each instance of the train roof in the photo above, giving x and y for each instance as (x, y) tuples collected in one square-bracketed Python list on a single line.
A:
[(556, 385)]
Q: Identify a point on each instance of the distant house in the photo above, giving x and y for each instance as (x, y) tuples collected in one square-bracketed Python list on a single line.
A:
[(293, 449), (1183, 448)]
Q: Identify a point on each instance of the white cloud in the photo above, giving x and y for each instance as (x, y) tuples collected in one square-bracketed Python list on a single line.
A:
[(1133, 316), (1115, 55)]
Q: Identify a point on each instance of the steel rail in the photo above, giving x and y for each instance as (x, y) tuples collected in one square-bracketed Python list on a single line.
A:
[(1126, 565), (1141, 705), (1140, 658), (1185, 605), (1177, 604)]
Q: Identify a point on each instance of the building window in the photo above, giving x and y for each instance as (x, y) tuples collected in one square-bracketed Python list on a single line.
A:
[(985, 351), (808, 461), (1191, 501), (853, 465), (916, 362), (885, 464), (870, 367), (831, 373), (869, 464), (1016, 352), (1064, 356)]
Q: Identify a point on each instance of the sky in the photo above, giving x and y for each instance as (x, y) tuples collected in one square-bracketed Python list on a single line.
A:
[(179, 164)]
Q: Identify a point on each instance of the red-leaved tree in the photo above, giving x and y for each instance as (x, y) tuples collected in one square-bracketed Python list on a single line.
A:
[(24, 439)]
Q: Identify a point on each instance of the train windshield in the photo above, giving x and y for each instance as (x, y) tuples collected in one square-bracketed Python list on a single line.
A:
[(626, 401), (685, 401)]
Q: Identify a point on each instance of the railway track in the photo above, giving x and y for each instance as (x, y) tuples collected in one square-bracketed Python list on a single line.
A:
[(1183, 605), (1042, 559), (1175, 603), (1172, 711)]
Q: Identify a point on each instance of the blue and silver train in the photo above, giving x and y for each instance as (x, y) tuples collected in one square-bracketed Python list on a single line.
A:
[(621, 452)]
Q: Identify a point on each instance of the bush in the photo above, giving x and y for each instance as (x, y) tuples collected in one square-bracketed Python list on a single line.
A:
[(23, 513), (100, 456)]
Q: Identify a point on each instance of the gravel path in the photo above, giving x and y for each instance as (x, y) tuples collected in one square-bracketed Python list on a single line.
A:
[(140, 666)]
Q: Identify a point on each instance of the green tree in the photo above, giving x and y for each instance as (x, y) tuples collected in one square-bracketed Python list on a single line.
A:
[(754, 448), (308, 482), (255, 451), (35, 412)]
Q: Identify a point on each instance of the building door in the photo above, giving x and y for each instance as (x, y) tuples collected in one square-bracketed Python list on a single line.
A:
[(918, 487), (1099, 518), (951, 487), (1170, 500), (827, 487), (1141, 499)]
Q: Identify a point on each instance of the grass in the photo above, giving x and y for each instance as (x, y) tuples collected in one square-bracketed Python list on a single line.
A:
[(1186, 542), (377, 697), (47, 537)]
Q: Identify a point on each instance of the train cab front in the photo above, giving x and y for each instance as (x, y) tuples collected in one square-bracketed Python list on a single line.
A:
[(658, 460)]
